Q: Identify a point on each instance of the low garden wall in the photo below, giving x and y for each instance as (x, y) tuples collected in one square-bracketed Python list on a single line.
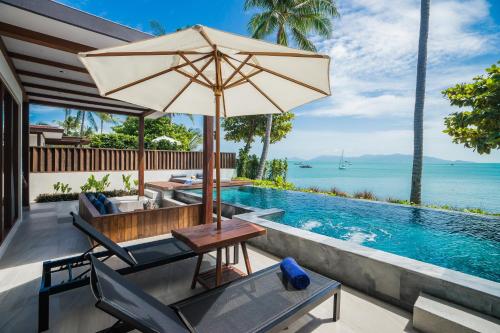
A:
[(43, 182), (389, 277)]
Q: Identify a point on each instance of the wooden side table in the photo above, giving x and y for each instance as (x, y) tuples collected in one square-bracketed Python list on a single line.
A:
[(205, 238)]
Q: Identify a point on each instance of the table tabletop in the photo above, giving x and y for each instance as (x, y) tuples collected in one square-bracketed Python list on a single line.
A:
[(205, 237)]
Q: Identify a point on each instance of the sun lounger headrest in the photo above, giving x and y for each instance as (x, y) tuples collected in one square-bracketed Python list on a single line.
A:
[(97, 236), (127, 302)]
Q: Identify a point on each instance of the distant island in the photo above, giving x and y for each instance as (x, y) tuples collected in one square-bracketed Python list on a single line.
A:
[(392, 158)]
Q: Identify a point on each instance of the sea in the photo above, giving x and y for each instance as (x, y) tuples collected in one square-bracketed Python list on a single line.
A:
[(460, 185)]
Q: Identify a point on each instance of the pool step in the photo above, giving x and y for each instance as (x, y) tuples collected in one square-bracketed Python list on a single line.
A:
[(434, 315)]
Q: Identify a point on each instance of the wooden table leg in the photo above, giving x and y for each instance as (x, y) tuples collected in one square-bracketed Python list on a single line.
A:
[(245, 256), (197, 270), (218, 268), (228, 259)]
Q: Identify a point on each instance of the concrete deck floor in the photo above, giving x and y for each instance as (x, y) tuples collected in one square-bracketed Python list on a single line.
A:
[(46, 233)]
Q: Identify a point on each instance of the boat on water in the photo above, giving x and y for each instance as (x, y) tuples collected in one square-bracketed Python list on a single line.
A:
[(305, 166), (342, 164)]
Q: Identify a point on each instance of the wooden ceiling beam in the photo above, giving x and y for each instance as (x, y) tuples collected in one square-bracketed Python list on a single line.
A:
[(5, 53), (39, 38), (83, 107), (74, 92), (56, 78), (77, 100), (46, 62)]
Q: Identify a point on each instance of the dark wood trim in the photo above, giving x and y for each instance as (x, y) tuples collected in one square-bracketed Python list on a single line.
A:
[(140, 157), (8, 164), (26, 154), (81, 107), (39, 38), (5, 53), (2, 175), (65, 14), (208, 168), (76, 100), (16, 165), (51, 63), (56, 78)]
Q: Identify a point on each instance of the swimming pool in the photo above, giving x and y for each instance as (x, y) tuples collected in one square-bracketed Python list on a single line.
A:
[(462, 242)]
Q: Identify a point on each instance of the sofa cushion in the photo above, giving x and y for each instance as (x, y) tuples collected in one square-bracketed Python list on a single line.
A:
[(90, 196), (101, 197), (180, 175), (111, 207), (99, 206)]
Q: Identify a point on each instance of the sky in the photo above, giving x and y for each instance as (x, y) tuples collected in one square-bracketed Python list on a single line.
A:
[(373, 69)]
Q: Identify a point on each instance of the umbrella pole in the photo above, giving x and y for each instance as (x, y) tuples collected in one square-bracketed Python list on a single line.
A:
[(217, 93)]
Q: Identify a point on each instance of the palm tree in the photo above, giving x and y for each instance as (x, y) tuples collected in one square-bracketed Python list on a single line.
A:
[(418, 118), (106, 118), (80, 116), (295, 19)]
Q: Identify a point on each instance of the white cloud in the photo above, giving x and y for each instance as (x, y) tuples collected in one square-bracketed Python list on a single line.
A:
[(374, 51)]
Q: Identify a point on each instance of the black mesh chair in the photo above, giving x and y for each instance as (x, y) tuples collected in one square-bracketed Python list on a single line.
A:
[(260, 302), (137, 257)]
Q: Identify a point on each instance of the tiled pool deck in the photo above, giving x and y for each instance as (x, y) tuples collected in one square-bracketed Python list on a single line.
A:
[(46, 233)]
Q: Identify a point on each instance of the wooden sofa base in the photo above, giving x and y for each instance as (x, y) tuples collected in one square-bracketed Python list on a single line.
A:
[(138, 224)]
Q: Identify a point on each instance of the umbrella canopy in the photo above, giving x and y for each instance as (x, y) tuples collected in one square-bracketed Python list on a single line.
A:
[(166, 138), (190, 71), (176, 73)]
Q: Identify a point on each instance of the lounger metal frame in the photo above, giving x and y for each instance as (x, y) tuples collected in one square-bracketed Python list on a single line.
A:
[(68, 264), (276, 325)]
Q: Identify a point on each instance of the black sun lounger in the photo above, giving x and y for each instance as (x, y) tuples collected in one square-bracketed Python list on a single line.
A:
[(260, 302), (137, 257)]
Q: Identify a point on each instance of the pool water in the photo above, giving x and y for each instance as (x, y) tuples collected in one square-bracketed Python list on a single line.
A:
[(462, 242)]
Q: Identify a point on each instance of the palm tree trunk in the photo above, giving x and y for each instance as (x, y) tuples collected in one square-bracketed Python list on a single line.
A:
[(418, 121), (265, 146), (102, 124), (82, 124)]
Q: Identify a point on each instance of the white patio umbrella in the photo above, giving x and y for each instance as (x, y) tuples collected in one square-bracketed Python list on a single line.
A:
[(166, 138), (192, 70)]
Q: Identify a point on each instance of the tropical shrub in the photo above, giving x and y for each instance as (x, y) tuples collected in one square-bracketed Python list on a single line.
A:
[(114, 140), (247, 165), (368, 195), (276, 168), (95, 184), (63, 188), (51, 197)]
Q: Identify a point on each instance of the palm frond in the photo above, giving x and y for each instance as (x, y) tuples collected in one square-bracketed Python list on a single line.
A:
[(91, 121), (157, 27), (301, 40), (266, 4), (262, 24)]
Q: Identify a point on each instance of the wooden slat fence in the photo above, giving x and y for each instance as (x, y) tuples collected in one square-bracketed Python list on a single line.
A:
[(69, 159)]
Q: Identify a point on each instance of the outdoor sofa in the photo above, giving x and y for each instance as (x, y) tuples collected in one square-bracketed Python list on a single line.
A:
[(260, 302), (139, 223), (137, 257)]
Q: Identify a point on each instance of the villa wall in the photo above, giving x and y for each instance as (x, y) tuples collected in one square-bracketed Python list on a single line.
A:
[(391, 278), (42, 182)]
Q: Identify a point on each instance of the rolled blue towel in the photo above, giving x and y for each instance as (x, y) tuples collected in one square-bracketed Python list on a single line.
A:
[(294, 274)]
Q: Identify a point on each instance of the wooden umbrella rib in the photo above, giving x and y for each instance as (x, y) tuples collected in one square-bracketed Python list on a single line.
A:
[(196, 69), (194, 79), (285, 77), (236, 70), (205, 36), (255, 86), (186, 86), (140, 53), (242, 80), (285, 54), (149, 77)]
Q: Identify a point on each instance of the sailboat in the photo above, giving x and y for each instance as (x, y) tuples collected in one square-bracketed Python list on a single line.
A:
[(342, 163)]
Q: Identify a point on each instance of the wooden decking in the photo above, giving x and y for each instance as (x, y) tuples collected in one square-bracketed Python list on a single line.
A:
[(168, 185)]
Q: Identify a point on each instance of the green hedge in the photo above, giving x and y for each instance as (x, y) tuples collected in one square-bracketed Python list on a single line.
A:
[(53, 197)]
